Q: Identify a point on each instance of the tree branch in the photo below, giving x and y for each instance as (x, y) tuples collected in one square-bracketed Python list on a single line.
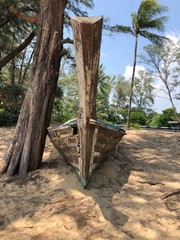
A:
[(31, 19), (170, 194), (63, 53), (66, 40), (4, 22), (16, 51)]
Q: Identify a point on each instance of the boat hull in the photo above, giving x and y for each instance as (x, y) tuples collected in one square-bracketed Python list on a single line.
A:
[(86, 142), (104, 140)]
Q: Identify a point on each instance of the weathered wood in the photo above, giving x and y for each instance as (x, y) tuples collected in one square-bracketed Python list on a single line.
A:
[(104, 140), (66, 144), (87, 39), (94, 139)]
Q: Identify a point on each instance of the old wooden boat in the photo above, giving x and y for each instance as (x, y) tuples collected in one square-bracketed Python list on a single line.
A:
[(85, 141)]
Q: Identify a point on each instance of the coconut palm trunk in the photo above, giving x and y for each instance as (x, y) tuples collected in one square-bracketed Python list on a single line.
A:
[(132, 82), (144, 20)]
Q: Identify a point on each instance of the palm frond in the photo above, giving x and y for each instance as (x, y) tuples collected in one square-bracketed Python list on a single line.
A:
[(104, 81), (150, 8), (154, 38), (134, 20), (157, 24), (122, 29), (89, 4)]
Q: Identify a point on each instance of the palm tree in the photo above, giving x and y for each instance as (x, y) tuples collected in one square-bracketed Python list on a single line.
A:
[(104, 81), (144, 20), (105, 84)]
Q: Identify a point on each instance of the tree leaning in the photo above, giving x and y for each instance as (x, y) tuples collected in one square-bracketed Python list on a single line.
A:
[(27, 146)]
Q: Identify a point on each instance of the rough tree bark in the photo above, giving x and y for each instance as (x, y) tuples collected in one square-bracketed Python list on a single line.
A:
[(26, 149)]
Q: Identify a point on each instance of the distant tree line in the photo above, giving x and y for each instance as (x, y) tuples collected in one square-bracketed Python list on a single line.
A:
[(113, 91)]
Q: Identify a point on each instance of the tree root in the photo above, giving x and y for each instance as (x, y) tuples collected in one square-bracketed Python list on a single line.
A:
[(170, 194), (150, 182)]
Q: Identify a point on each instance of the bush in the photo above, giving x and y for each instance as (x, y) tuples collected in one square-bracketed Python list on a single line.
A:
[(11, 98), (157, 120), (62, 112), (7, 119), (138, 118), (161, 120), (169, 113), (135, 125)]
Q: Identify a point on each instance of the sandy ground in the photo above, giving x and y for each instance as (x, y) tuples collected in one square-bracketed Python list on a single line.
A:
[(124, 199)]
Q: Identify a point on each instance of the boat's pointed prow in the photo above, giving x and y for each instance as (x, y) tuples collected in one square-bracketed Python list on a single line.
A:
[(85, 142), (87, 40)]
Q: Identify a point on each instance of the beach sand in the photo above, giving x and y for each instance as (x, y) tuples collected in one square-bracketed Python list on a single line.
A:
[(124, 199)]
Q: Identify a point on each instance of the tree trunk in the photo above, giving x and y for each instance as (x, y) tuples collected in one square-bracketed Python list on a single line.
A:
[(132, 83), (21, 67), (171, 99), (1, 77), (26, 69), (26, 149), (12, 72)]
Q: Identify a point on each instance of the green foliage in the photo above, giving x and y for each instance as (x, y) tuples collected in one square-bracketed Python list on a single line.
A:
[(107, 112), (136, 125), (63, 111), (14, 30), (7, 119), (164, 63), (146, 19), (59, 92), (124, 112), (121, 92), (138, 117), (177, 116), (169, 113), (150, 114), (143, 22), (66, 101), (114, 115), (143, 91), (105, 82), (67, 105), (103, 108), (11, 98), (161, 120), (77, 8)]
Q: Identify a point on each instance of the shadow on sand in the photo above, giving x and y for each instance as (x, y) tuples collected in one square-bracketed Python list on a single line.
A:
[(107, 181)]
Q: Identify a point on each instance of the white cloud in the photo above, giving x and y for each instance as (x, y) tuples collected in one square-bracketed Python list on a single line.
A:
[(173, 36), (129, 69), (159, 88)]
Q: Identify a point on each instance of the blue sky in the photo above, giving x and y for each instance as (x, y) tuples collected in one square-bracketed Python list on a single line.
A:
[(117, 51)]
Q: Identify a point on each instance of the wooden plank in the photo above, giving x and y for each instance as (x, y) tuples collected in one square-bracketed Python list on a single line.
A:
[(87, 39), (85, 143)]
